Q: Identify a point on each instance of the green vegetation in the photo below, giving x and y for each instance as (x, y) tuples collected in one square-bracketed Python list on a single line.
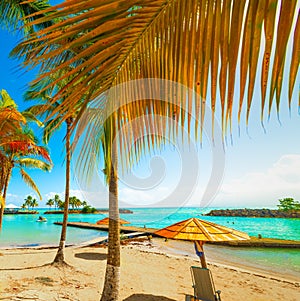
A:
[(288, 204), (88, 209), (74, 205), (30, 202)]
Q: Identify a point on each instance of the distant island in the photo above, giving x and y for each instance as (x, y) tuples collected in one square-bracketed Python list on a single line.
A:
[(96, 211), (254, 213), (287, 208)]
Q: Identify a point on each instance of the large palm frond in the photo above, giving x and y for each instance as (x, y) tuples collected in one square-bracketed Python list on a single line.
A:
[(177, 40)]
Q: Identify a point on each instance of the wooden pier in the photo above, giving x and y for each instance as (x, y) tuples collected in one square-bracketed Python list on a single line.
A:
[(139, 231), (123, 229)]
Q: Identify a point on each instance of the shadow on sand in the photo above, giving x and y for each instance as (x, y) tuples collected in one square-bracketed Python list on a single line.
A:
[(147, 297), (91, 256)]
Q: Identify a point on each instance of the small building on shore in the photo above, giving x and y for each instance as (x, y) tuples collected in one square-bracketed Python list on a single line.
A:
[(11, 209)]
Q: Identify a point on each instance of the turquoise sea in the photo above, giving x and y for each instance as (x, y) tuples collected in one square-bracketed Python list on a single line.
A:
[(24, 231)]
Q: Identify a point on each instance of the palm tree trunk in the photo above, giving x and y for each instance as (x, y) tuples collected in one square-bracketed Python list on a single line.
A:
[(4, 195), (112, 275), (60, 256)]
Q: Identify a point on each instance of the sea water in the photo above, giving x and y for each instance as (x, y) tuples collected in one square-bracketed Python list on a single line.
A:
[(24, 231)]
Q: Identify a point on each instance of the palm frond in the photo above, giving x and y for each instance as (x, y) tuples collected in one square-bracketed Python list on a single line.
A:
[(14, 13), (100, 45), (286, 17), (34, 163), (11, 120), (30, 117), (6, 101), (29, 181), (295, 60), (126, 40)]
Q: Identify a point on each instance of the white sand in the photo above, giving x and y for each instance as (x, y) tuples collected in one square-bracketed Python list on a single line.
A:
[(146, 275)]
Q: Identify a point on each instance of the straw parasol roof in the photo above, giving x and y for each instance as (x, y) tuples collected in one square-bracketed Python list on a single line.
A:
[(199, 230), (105, 221)]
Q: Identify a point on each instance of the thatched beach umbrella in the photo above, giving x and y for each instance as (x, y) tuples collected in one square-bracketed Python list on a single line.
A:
[(105, 221), (200, 231)]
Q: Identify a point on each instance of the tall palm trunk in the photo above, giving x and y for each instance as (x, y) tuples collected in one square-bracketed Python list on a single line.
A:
[(9, 170), (112, 275), (60, 256)]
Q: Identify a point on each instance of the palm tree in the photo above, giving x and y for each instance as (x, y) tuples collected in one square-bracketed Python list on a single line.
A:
[(48, 131), (74, 202), (61, 205), (77, 203), (34, 203), (50, 203), (28, 201), (18, 149), (44, 109), (24, 158), (179, 40), (57, 201)]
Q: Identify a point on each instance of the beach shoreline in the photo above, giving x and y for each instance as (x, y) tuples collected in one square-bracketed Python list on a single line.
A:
[(214, 254), (147, 273)]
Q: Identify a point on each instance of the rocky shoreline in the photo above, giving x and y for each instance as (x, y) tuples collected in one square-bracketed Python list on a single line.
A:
[(254, 213), (21, 212)]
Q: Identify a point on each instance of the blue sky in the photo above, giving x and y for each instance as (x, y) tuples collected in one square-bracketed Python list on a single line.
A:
[(259, 169)]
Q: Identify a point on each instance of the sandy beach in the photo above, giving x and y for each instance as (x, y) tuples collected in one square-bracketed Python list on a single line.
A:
[(147, 273)]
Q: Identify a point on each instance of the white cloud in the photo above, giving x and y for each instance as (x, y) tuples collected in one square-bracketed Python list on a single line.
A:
[(50, 195), (263, 188), (12, 196), (135, 197)]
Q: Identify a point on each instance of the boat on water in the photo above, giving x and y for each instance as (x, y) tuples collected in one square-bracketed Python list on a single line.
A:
[(41, 219)]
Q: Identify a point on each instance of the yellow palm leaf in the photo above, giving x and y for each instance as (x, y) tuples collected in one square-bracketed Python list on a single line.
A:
[(114, 41)]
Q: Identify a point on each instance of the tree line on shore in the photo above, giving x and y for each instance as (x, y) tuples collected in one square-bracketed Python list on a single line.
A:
[(58, 204)]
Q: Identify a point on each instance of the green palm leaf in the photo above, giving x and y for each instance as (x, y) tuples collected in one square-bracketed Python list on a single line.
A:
[(34, 163), (29, 181), (13, 11), (6, 101)]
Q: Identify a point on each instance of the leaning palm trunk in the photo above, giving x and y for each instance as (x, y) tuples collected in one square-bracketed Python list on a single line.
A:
[(112, 275), (4, 196), (60, 257)]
